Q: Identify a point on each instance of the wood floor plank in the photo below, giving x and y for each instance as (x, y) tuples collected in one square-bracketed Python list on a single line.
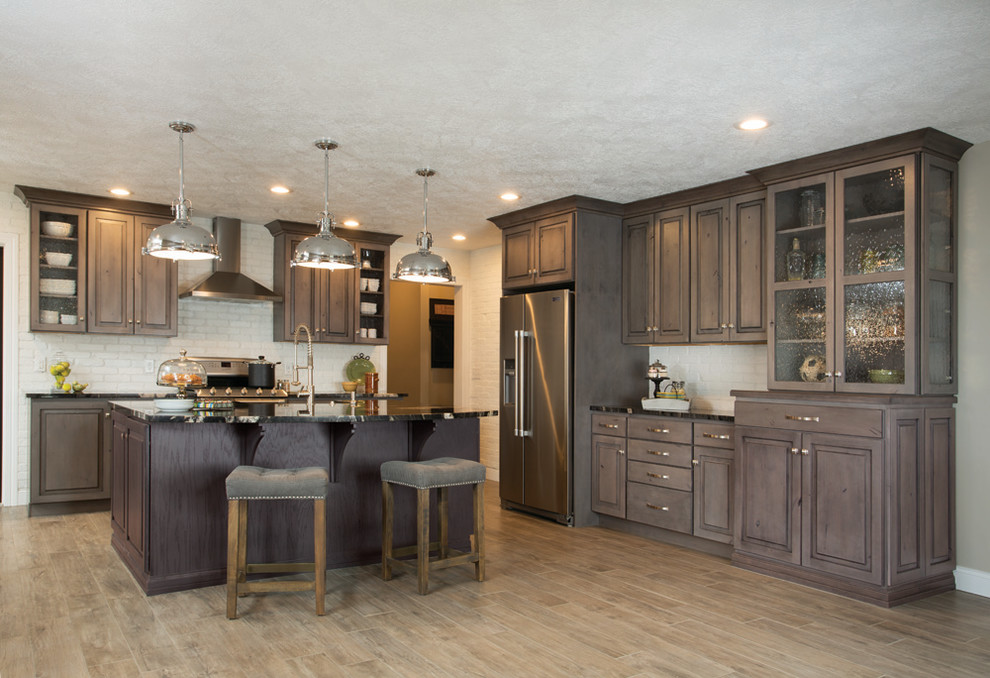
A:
[(16, 657)]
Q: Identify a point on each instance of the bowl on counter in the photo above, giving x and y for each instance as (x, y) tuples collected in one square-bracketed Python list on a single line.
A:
[(174, 404), (350, 386), (58, 258), (886, 376), (61, 229)]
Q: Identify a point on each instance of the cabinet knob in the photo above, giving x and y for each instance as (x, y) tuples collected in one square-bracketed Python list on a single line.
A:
[(838, 374), (804, 452), (695, 462), (130, 320), (137, 322), (723, 326), (732, 326), (622, 452), (828, 374), (794, 450)]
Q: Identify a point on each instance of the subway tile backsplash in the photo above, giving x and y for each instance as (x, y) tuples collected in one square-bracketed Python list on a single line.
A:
[(710, 372)]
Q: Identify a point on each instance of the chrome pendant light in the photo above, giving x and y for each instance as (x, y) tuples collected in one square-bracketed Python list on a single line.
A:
[(181, 240), (325, 250), (424, 266)]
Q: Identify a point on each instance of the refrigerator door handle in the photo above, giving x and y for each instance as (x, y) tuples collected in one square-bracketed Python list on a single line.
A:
[(522, 378), (515, 404)]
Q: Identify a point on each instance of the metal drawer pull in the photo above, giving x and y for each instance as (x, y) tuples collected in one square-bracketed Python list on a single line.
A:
[(794, 450), (658, 453), (658, 430), (657, 475), (657, 508), (804, 452), (796, 418), (609, 425), (716, 436)]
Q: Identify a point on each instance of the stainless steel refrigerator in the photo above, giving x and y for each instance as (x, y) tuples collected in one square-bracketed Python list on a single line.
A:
[(535, 446)]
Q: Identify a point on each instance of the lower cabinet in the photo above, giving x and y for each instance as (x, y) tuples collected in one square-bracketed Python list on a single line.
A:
[(128, 506), (70, 455), (853, 495), (647, 470)]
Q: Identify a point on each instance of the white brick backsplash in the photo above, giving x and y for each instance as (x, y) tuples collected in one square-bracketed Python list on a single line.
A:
[(710, 372)]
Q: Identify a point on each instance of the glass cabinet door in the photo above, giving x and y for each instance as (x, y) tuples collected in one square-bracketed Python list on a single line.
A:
[(874, 277), (800, 336), (938, 344), (58, 246)]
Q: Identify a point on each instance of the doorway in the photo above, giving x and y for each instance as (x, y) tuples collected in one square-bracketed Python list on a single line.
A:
[(421, 343)]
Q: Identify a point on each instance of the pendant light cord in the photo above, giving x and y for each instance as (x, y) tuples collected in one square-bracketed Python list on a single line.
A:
[(426, 201), (182, 183)]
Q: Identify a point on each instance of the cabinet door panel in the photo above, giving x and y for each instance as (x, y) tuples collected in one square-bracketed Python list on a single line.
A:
[(136, 451), (156, 287), (940, 474), (517, 256), (713, 493), (336, 303), (842, 512), (553, 249), (638, 286), (905, 474), (769, 494), (300, 302), (118, 493), (673, 263), (608, 476), (69, 451), (747, 284), (710, 259), (111, 273)]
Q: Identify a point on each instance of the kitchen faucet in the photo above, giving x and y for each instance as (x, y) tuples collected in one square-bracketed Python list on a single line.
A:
[(308, 367)]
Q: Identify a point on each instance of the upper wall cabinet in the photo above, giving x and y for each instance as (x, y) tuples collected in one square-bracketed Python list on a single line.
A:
[(693, 269), (341, 306), (862, 267), (87, 271), (538, 253)]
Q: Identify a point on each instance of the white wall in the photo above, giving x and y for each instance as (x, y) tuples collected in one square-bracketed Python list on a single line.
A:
[(486, 290), (972, 454), (117, 364)]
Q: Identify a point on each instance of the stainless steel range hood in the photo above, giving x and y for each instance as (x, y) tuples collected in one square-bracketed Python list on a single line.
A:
[(227, 283)]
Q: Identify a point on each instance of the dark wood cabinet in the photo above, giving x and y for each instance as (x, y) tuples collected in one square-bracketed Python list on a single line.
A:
[(128, 506), (107, 286), (861, 267), (728, 290), (608, 478), (341, 306), (70, 455), (655, 278), (713, 458), (538, 253), (852, 494)]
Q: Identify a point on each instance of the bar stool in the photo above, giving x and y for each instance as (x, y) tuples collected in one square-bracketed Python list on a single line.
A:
[(441, 474), (246, 483)]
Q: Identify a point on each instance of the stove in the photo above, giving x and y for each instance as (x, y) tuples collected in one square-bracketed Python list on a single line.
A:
[(227, 379)]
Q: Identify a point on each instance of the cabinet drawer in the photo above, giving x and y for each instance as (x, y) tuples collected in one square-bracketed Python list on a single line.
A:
[(608, 424), (660, 453), (657, 428), (711, 434), (670, 509), (853, 421), (660, 475)]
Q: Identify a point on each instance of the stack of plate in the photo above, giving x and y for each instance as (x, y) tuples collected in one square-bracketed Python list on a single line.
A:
[(368, 308), (55, 286)]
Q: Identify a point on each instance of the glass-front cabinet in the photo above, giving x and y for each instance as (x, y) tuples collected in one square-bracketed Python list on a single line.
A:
[(846, 279), (58, 286)]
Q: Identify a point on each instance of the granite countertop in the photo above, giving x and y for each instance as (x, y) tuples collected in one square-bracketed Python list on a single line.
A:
[(709, 416), (294, 412), (171, 394)]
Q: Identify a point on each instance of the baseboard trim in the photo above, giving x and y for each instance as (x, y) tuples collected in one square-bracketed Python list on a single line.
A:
[(973, 581)]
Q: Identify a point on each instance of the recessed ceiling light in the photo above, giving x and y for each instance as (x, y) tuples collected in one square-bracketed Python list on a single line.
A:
[(459, 236), (509, 196), (352, 223), (281, 190), (752, 124), (120, 190)]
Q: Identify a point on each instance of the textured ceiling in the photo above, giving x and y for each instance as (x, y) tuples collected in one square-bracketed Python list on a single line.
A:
[(616, 100)]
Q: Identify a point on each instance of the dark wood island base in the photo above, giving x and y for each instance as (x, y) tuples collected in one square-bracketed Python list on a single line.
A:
[(169, 507)]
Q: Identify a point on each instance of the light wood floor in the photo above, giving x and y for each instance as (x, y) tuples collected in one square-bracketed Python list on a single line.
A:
[(558, 602)]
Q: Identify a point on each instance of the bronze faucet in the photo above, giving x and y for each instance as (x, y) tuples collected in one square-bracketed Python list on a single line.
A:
[(309, 365)]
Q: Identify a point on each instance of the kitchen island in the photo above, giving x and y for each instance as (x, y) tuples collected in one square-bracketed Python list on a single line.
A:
[(168, 499)]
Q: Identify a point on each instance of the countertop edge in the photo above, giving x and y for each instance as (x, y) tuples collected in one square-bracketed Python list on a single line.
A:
[(146, 411), (707, 416)]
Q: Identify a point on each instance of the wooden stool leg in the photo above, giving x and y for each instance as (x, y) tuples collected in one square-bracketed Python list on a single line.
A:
[(320, 553), (242, 512), (479, 530), (387, 510), (423, 540), (442, 531), (233, 548)]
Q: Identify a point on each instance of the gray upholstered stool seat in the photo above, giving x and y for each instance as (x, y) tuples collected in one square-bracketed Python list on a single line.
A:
[(254, 482), (442, 472), (439, 474), (248, 483)]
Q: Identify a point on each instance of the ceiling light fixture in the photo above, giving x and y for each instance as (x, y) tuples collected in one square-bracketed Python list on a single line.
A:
[(458, 236), (509, 196), (325, 250), (752, 124), (119, 191), (180, 240), (281, 190), (352, 223), (424, 266)]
